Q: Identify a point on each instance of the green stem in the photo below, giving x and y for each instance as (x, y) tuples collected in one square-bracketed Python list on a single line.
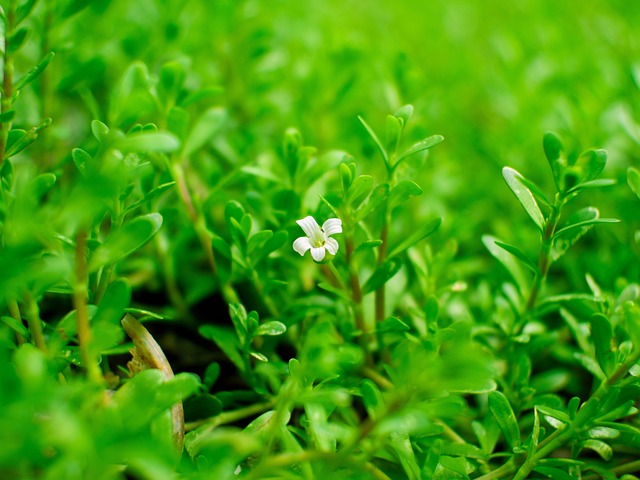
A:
[(545, 253), (32, 313), (380, 295), (500, 472), (337, 276), (356, 290), (581, 420), (14, 311), (228, 293), (7, 78), (274, 311), (80, 298)]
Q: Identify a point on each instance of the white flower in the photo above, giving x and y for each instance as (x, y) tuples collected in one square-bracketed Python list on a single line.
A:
[(317, 239)]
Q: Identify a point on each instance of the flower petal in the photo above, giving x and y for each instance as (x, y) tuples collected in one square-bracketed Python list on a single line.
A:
[(332, 226), (331, 244), (301, 245), (310, 228), (317, 253)]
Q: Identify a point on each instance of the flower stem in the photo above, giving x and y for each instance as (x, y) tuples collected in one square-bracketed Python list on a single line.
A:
[(380, 295), (356, 291), (14, 311)]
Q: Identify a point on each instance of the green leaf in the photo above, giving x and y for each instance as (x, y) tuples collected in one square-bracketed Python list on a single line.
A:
[(553, 472), (553, 149), (553, 414), (421, 233), (7, 116), (176, 389), (601, 448), (271, 328), (404, 114), (591, 164), (425, 144), (162, 142), (257, 240), (394, 131), (402, 192), (16, 40), (153, 193), (81, 159), (578, 224), (524, 196), (226, 340), (508, 261), (375, 200), (116, 298), (633, 180), (368, 245), (505, 418), (382, 275), (16, 326), (519, 255), (211, 374), (34, 72), (335, 290), (602, 335), (346, 177), (372, 399), (375, 138), (100, 130), (360, 188), (23, 11), (205, 128), (125, 240)]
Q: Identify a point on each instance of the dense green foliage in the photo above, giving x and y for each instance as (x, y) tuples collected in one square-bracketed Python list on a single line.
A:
[(480, 317)]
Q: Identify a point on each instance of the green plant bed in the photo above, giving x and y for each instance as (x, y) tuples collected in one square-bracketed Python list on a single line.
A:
[(319, 240)]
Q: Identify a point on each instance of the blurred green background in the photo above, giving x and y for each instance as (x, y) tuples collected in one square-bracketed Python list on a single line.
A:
[(490, 76)]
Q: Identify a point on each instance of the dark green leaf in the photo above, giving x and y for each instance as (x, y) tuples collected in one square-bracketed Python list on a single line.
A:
[(509, 262), (335, 290), (346, 177), (7, 116), (257, 240), (16, 325), (125, 240), (153, 193), (368, 245), (375, 200), (505, 418), (421, 233)]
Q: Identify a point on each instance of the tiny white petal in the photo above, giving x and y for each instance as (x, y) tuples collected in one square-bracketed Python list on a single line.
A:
[(317, 253), (301, 245), (331, 244), (310, 228), (332, 226)]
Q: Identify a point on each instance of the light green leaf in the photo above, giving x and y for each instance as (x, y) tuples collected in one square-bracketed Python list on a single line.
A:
[(206, 127), (421, 233), (425, 144), (404, 190), (633, 180), (32, 74), (524, 196), (505, 418), (270, 328), (375, 138), (163, 142), (381, 275), (519, 255)]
